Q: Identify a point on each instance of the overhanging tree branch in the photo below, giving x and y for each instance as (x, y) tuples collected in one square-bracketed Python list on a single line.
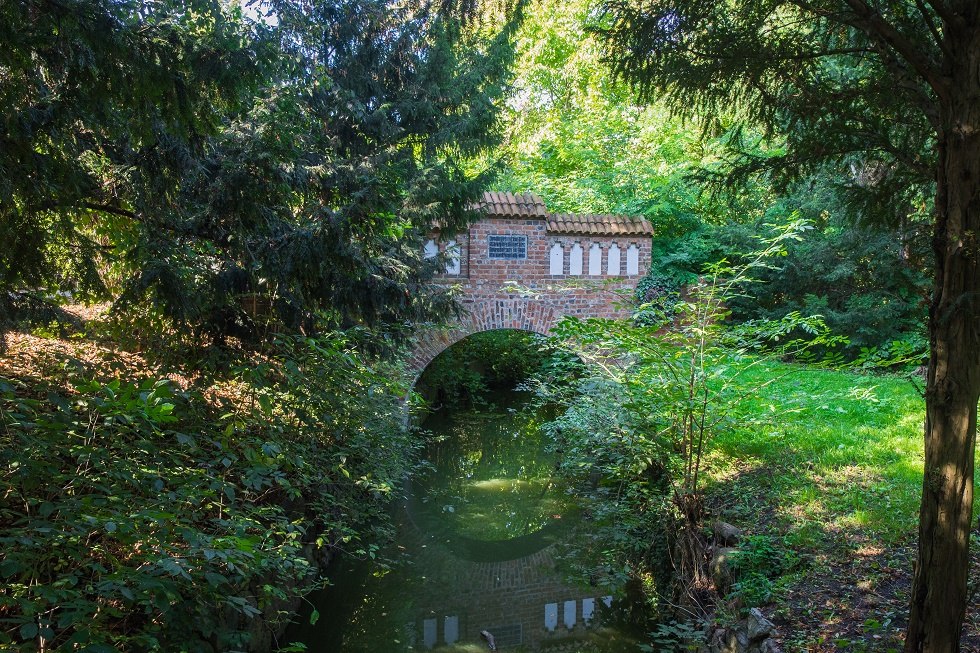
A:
[(933, 29), (871, 22), (944, 12)]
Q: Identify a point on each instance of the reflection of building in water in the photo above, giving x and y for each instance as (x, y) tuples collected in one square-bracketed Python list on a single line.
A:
[(520, 602)]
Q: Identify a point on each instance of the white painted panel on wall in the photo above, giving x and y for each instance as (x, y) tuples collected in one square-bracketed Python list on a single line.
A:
[(429, 634), (633, 260), (595, 260), (431, 249), (613, 267), (569, 619), (575, 260), (588, 609), (550, 616), (557, 260), (451, 629), (453, 250)]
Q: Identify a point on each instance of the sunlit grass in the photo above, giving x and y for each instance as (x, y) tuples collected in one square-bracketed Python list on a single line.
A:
[(839, 451)]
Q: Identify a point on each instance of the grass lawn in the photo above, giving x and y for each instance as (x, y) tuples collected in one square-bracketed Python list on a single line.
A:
[(825, 479)]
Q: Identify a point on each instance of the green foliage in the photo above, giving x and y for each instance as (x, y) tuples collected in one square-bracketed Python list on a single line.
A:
[(858, 279), (98, 96), (865, 283), (142, 518), (617, 468), (676, 636), (709, 60), (758, 561), (658, 294), (300, 161), (686, 380), (319, 196), (575, 137), (641, 428)]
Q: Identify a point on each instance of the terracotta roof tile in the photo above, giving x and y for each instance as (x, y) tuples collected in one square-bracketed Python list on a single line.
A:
[(510, 205), (605, 225), (527, 205)]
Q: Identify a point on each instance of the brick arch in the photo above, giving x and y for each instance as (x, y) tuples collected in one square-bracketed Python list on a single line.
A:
[(489, 314)]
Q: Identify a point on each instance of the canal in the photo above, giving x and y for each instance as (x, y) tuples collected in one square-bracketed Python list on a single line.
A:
[(479, 549)]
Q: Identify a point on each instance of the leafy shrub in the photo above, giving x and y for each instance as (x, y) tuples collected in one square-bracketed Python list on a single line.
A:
[(861, 280), (758, 560), (618, 464), (677, 636), (857, 279), (142, 518), (642, 426), (658, 295)]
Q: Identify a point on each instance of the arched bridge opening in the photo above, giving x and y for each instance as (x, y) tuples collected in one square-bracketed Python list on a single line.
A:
[(522, 314)]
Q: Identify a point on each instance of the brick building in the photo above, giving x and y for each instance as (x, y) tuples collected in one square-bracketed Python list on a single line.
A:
[(522, 267), (519, 240)]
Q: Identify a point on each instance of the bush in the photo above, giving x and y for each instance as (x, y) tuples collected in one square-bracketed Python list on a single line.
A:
[(756, 563), (138, 517), (856, 279)]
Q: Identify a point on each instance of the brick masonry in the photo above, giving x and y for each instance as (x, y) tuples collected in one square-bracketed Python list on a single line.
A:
[(523, 294)]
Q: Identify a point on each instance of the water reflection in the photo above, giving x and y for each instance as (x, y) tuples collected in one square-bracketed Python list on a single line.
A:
[(493, 475), (473, 555)]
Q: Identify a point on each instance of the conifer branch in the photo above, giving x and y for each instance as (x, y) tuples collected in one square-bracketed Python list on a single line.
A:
[(933, 29), (944, 12), (106, 208), (871, 22)]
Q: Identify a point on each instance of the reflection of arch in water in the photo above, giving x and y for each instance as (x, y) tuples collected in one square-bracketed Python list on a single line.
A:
[(523, 602), (430, 526), (545, 515)]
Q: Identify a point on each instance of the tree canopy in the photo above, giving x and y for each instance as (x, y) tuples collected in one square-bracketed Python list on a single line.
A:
[(186, 155)]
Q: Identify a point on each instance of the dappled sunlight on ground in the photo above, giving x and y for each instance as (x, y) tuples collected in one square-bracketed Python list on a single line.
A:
[(835, 479)]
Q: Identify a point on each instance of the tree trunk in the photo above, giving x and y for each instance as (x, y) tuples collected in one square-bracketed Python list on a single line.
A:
[(939, 590)]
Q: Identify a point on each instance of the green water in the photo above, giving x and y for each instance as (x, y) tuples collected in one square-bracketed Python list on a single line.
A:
[(493, 476), (475, 550)]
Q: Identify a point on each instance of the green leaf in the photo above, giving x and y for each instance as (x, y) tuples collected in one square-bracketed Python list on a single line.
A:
[(9, 567), (314, 617), (28, 630)]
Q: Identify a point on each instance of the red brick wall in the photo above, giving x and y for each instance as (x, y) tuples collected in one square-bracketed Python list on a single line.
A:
[(476, 265), (522, 294)]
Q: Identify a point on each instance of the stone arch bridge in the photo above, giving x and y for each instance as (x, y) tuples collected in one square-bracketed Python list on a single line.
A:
[(522, 267)]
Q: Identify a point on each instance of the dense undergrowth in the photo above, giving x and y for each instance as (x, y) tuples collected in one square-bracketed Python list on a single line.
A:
[(686, 417), (142, 512), (665, 431), (149, 509), (822, 469)]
